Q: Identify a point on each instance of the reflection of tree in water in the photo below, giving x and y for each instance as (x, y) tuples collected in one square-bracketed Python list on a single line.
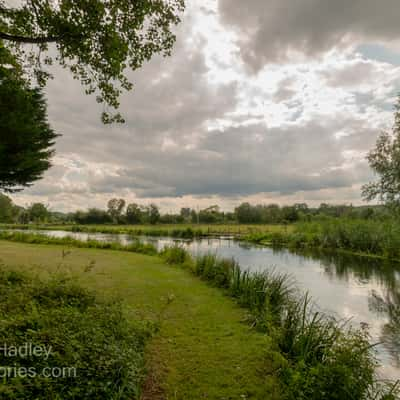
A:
[(386, 274), (345, 266), (389, 304)]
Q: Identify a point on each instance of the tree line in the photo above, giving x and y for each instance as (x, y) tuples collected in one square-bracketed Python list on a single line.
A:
[(118, 211)]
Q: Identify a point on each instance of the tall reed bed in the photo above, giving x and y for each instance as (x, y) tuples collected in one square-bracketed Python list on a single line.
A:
[(381, 238), (322, 358)]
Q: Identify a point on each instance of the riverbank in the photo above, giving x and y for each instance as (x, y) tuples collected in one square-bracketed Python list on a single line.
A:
[(268, 300), (203, 348), (182, 231)]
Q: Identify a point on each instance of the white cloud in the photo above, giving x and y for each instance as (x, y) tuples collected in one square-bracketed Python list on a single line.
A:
[(201, 130)]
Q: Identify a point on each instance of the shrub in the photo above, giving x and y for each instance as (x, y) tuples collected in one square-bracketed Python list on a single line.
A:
[(174, 254), (96, 352)]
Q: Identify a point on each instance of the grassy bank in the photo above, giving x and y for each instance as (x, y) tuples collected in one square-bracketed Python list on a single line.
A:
[(311, 354), (185, 231), (320, 357), (370, 238), (203, 349)]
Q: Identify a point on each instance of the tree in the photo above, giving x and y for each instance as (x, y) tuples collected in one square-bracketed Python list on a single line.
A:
[(133, 214), (154, 214), (97, 40), (92, 216), (246, 213), (115, 208), (185, 213), (26, 138), (38, 212), (289, 214), (384, 160), (6, 209)]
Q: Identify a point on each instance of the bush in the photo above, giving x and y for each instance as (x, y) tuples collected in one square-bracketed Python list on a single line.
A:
[(175, 255), (95, 351)]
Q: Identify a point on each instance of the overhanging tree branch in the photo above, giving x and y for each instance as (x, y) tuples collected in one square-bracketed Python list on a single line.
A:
[(32, 40)]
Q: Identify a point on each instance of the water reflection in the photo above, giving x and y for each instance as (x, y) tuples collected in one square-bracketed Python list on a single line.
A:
[(389, 304)]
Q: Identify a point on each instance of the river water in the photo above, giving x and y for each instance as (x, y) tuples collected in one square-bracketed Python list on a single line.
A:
[(366, 291)]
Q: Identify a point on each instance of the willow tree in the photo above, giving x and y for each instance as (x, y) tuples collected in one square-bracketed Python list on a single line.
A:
[(97, 40)]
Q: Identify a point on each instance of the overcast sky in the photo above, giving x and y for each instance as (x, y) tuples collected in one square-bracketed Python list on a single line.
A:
[(261, 101)]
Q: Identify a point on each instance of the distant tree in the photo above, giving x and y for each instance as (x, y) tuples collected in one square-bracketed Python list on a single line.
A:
[(211, 215), (115, 208), (289, 214), (247, 214), (303, 207), (26, 138), (38, 212), (6, 209), (384, 160), (154, 214), (133, 214), (96, 40), (185, 213), (194, 217), (23, 216), (271, 214), (92, 216)]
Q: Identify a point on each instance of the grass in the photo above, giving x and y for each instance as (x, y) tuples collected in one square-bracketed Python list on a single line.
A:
[(33, 238), (173, 230), (203, 349)]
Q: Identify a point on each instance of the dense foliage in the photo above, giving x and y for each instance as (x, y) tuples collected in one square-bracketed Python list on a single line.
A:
[(96, 40), (95, 351), (26, 139)]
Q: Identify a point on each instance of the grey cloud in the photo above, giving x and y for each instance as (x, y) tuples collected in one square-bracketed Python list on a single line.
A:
[(247, 160), (167, 148), (270, 29), (351, 75), (172, 101)]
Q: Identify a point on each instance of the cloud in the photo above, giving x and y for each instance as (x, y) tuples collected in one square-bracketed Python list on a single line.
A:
[(275, 30), (200, 130)]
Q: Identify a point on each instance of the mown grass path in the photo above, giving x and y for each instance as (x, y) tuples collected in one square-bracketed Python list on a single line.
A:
[(203, 350)]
